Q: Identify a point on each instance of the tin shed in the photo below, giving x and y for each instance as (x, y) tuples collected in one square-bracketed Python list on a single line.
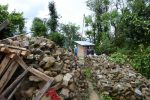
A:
[(83, 47)]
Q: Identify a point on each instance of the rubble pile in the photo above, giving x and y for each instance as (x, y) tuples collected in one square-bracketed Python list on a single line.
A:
[(47, 57), (121, 82)]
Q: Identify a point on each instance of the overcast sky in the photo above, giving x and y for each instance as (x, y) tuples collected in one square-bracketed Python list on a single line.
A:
[(69, 10)]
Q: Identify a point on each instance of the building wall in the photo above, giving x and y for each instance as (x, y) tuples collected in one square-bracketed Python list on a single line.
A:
[(81, 51)]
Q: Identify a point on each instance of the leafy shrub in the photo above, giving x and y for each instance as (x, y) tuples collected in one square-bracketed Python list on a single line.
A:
[(141, 62), (118, 57), (138, 58), (105, 47), (57, 38)]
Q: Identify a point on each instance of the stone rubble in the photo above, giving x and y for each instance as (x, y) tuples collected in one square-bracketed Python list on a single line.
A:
[(55, 62), (121, 82)]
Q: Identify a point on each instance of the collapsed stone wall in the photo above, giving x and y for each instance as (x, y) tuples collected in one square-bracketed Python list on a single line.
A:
[(121, 82), (56, 62)]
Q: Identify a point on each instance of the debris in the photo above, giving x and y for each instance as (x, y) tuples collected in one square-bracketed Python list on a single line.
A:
[(59, 78), (49, 62), (121, 82), (65, 93), (34, 78)]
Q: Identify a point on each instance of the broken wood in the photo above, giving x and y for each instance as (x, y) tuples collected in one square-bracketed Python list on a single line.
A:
[(12, 86), (43, 90), (7, 76), (33, 70), (5, 50), (4, 64), (9, 72), (13, 49), (14, 91)]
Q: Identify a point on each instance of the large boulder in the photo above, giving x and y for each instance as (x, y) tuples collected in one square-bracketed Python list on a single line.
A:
[(49, 62)]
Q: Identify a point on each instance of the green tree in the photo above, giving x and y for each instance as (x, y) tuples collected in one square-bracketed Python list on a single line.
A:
[(134, 23), (53, 21), (90, 25), (99, 27), (57, 38), (70, 31), (16, 22), (39, 27), (3, 13)]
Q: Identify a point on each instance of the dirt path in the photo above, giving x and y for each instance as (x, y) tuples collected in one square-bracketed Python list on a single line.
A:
[(93, 94)]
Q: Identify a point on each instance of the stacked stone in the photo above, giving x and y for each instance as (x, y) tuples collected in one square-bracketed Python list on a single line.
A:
[(121, 82), (69, 83)]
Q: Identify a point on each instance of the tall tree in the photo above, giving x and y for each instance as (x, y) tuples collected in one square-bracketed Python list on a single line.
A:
[(39, 27), (90, 25), (53, 21), (134, 23), (98, 7), (71, 33)]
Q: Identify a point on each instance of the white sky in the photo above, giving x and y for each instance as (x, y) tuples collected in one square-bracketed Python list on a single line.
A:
[(69, 10)]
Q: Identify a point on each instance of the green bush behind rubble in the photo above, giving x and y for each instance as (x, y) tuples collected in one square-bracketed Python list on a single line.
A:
[(139, 59)]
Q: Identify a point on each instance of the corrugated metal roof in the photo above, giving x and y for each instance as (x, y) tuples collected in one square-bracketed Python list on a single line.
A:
[(86, 43)]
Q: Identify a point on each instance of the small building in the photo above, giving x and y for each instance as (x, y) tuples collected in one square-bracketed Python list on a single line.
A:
[(84, 48)]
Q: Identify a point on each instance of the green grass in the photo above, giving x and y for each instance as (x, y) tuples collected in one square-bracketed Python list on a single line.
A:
[(87, 72)]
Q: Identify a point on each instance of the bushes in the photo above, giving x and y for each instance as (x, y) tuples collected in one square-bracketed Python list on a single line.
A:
[(141, 62), (139, 59), (57, 38), (118, 57)]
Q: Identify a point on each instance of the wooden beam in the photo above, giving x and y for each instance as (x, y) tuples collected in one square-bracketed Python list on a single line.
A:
[(42, 91), (12, 66), (33, 70), (7, 75), (5, 50), (13, 85), (14, 91), (13, 47), (3, 65)]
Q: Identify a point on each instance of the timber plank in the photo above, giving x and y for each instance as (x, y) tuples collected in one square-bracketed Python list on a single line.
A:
[(43, 90), (7, 75), (13, 92), (5, 50), (9, 92), (4, 64), (12, 86)]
